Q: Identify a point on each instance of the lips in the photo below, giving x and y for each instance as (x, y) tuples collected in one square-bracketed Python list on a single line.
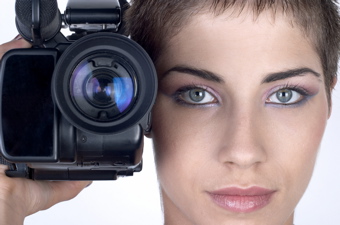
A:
[(240, 200)]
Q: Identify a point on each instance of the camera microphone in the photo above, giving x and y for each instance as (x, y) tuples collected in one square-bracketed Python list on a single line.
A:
[(37, 20)]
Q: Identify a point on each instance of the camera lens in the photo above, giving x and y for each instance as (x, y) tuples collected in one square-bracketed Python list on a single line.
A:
[(104, 91), (102, 88), (105, 83)]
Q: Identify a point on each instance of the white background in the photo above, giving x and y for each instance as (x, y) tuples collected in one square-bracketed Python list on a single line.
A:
[(135, 200)]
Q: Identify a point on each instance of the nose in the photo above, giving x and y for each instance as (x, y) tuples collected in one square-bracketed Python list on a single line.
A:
[(243, 144)]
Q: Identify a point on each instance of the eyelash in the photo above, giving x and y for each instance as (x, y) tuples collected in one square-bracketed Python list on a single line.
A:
[(178, 96), (295, 88)]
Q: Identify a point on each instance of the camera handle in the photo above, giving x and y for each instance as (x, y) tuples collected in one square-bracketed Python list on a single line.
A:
[(82, 17), (93, 16)]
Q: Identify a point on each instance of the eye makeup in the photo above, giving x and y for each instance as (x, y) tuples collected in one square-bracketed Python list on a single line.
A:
[(190, 91), (300, 95), (195, 96)]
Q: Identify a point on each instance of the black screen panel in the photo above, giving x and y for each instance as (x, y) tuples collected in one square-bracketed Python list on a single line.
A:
[(27, 107)]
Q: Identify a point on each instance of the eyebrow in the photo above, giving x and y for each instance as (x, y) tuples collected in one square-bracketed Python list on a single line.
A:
[(205, 74), (289, 73), (208, 75)]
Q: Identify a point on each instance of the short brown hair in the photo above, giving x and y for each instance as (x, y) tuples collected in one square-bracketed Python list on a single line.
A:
[(152, 23)]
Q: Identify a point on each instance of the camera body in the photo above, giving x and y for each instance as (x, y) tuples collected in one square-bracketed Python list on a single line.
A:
[(77, 107)]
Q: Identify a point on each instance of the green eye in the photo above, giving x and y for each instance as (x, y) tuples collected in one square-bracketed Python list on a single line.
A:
[(195, 96), (285, 96)]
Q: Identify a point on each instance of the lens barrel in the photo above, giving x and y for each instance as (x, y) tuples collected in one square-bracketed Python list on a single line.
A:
[(104, 83), (103, 86)]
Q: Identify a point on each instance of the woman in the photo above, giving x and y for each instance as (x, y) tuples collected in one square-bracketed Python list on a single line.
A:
[(244, 97)]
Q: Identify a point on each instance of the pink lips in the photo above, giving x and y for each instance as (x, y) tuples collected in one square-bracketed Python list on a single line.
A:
[(242, 200)]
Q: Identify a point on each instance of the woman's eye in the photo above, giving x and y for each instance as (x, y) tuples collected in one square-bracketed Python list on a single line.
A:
[(196, 96), (285, 97)]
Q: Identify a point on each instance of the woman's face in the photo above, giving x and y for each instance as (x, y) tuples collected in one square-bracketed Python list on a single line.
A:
[(238, 121)]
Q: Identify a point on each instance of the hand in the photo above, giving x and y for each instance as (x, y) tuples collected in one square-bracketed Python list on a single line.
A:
[(15, 43), (21, 197)]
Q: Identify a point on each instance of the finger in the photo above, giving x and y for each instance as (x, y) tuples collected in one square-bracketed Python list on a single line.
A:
[(52, 193), (3, 168), (28, 196), (22, 43)]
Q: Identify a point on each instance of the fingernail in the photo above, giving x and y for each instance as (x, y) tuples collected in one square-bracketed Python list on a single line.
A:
[(18, 37)]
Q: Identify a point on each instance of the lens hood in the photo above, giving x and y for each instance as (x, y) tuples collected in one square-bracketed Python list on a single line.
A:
[(120, 70)]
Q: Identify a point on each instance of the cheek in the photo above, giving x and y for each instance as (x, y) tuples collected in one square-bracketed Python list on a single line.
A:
[(290, 137), (181, 140), (295, 142), (184, 139), (173, 129)]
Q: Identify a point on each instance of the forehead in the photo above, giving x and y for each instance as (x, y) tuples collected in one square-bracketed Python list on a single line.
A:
[(242, 42)]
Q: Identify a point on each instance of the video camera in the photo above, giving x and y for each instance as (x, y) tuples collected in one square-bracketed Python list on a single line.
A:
[(76, 107)]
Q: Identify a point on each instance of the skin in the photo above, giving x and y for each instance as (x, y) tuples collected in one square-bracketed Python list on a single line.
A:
[(22, 197), (241, 137)]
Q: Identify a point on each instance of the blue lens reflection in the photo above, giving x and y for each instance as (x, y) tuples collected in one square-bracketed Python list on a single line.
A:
[(123, 88)]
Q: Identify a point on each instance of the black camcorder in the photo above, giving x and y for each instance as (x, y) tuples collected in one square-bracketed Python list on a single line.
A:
[(75, 107)]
